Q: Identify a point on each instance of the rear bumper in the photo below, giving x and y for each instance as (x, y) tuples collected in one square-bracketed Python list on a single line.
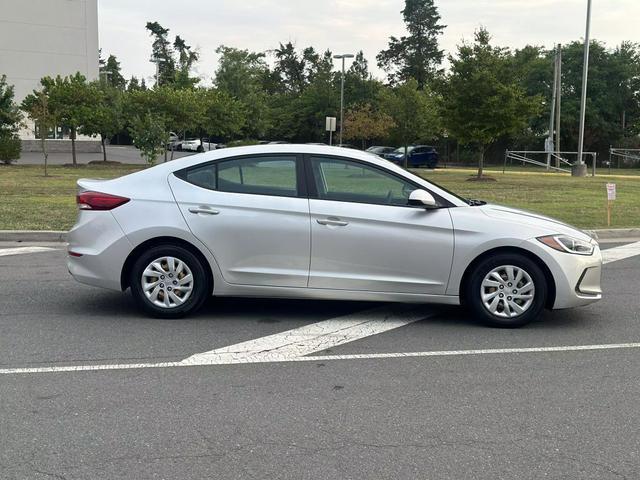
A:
[(102, 247)]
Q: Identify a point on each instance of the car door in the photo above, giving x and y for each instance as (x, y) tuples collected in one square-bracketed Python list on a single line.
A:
[(252, 212), (418, 156), (364, 236)]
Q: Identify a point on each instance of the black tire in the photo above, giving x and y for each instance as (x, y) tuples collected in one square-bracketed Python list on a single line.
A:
[(474, 290), (201, 287)]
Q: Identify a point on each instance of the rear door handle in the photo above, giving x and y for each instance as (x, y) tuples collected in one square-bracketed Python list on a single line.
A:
[(205, 210), (332, 221)]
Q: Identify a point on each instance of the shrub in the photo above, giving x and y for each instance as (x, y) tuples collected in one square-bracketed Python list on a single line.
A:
[(10, 148)]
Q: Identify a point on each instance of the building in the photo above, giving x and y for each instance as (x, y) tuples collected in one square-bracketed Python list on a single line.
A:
[(47, 38)]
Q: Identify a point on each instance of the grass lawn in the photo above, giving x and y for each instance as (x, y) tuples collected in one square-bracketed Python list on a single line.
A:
[(29, 201), (578, 201)]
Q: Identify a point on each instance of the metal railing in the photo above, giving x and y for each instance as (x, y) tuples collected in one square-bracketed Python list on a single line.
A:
[(559, 158)]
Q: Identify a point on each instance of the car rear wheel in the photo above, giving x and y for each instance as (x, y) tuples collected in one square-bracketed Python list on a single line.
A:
[(506, 290), (169, 281)]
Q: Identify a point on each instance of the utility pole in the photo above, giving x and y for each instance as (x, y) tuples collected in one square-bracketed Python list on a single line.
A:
[(552, 117), (579, 169), (558, 105), (343, 56)]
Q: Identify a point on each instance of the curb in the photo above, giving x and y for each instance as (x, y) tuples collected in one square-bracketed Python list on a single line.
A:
[(32, 236), (613, 233), (61, 236)]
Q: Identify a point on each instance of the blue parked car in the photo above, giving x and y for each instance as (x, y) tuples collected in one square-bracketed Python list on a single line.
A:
[(417, 156)]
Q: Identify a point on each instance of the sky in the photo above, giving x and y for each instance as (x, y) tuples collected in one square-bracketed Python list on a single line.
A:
[(346, 26)]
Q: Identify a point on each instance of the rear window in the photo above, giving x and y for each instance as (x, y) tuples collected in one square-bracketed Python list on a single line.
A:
[(264, 175)]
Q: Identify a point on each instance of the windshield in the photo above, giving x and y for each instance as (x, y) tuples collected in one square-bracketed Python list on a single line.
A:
[(453, 194), (401, 149)]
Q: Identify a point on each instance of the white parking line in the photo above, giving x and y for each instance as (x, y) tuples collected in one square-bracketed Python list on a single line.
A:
[(298, 344), (22, 250), (620, 253), (318, 358), (316, 337)]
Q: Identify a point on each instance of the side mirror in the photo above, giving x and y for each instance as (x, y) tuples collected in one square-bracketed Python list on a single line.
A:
[(422, 198)]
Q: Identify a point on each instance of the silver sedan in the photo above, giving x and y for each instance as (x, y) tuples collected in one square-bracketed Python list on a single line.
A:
[(308, 221)]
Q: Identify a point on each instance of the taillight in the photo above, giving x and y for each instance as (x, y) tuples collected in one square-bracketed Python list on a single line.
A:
[(99, 201)]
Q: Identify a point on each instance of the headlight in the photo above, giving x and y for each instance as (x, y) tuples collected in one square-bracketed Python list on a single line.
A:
[(565, 243)]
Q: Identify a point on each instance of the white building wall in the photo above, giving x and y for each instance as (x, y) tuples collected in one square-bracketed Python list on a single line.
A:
[(47, 38)]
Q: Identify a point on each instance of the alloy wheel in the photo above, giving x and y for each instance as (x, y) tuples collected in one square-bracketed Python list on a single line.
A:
[(167, 282), (507, 291)]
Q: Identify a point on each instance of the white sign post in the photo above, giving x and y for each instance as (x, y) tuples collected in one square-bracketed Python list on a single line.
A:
[(611, 196), (330, 123)]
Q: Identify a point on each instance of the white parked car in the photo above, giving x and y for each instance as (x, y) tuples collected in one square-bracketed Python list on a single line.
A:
[(307, 221), (197, 145)]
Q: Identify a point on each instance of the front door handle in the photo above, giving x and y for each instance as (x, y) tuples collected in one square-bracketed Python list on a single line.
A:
[(332, 221), (205, 210)]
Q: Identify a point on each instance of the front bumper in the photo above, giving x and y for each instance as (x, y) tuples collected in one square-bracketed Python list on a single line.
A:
[(577, 278)]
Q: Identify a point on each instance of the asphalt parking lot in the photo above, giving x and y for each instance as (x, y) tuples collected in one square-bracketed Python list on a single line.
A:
[(271, 389)]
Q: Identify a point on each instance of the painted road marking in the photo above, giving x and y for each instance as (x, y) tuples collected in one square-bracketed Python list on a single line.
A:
[(22, 250), (323, 358), (318, 336), (620, 253), (298, 344)]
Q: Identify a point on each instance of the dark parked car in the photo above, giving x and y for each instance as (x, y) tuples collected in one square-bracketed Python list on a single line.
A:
[(418, 156), (380, 150)]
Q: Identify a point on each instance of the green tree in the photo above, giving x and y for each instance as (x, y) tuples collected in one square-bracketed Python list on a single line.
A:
[(416, 55), (162, 53), (243, 75), (105, 117), (414, 113), (71, 100), (175, 109), (360, 67), (175, 61), (482, 101), (134, 84), (186, 59), (149, 135), (363, 123), (36, 105), (359, 86), (10, 121), (291, 67), (223, 116), (111, 73)]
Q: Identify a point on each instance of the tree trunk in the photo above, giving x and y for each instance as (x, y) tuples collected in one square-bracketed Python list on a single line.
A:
[(43, 142), (104, 148), (73, 147), (481, 163), (405, 160)]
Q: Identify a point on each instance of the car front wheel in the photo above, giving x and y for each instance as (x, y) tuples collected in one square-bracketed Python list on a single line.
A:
[(168, 281), (506, 290)]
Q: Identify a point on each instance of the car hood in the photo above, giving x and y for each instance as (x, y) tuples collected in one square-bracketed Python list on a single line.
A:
[(546, 225)]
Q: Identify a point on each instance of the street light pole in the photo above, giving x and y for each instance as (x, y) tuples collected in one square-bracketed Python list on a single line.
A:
[(156, 60), (342, 57), (580, 168)]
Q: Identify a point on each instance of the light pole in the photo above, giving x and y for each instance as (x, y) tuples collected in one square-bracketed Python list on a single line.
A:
[(156, 60), (580, 169), (343, 56)]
